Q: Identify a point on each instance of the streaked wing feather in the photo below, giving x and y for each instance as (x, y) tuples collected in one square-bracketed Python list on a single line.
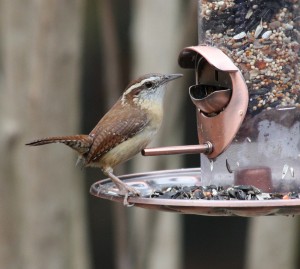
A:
[(107, 135)]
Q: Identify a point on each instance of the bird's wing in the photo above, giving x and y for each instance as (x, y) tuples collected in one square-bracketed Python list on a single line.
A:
[(114, 128)]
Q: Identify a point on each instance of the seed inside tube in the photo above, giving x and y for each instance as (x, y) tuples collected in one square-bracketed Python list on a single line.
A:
[(240, 36)]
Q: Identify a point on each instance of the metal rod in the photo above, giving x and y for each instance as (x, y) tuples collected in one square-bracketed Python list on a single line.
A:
[(205, 148)]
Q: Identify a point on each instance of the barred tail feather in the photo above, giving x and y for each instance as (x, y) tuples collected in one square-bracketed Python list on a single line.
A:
[(80, 143)]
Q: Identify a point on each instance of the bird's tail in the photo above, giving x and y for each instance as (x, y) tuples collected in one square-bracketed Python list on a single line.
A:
[(80, 143)]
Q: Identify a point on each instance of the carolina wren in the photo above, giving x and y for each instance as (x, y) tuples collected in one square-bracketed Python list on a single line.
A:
[(124, 130)]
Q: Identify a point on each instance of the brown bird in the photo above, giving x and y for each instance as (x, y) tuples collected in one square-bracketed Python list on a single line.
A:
[(126, 129)]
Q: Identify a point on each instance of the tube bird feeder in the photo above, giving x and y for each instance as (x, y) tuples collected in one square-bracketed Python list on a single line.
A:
[(247, 100)]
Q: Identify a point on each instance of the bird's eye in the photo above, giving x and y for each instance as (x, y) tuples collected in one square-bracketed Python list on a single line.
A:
[(148, 84)]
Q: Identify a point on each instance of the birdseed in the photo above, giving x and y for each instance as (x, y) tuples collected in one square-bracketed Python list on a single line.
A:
[(262, 39), (213, 192)]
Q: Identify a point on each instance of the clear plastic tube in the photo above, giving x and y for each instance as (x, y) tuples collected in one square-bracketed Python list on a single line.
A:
[(262, 39)]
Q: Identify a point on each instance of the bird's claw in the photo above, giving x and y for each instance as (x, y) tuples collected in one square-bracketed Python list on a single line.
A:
[(127, 192)]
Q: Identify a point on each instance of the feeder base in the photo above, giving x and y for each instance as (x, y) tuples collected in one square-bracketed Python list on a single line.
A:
[(148, 183)]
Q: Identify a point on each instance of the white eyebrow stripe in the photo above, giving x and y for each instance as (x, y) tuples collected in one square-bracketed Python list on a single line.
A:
[(138, 85)]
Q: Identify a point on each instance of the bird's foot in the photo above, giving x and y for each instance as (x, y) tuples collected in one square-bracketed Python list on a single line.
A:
[(124, 189), (127, 191)]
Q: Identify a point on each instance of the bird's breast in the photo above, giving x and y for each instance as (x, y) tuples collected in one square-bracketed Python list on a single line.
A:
[(154, 113), (127, 149)]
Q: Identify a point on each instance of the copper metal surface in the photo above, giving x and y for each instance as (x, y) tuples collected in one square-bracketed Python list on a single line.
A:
[(146, 182), (258, 176), (214, 56), (191, 149), (220, 129), (213, 102)]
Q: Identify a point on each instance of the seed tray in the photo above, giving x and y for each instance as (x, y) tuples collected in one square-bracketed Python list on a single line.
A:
[(213, 192), (181, 191)]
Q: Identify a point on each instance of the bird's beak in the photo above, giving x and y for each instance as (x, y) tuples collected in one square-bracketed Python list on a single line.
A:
[(168, 78)]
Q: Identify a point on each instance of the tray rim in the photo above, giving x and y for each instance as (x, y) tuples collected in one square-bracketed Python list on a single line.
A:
[(189, 203)]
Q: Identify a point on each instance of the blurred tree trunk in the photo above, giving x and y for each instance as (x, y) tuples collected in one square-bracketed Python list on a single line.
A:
[(112, 77), (42, 216), (272, 243), (158, 31)]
